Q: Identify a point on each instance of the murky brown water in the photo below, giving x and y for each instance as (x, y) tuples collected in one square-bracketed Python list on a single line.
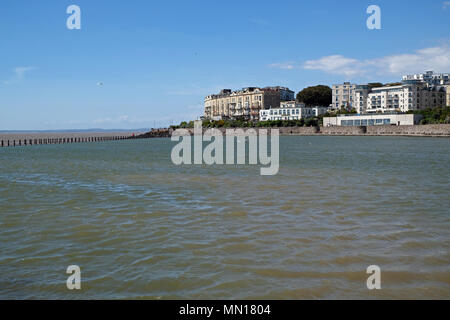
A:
[(140, 227)]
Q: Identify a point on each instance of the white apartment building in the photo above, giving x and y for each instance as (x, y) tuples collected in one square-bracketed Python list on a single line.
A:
[(361, 98), (289, 110), (411, 95), (345, 95), (430, 78), (313, 111), (319, 110)]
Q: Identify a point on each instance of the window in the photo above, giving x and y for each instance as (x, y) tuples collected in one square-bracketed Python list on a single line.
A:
[(347, 122)]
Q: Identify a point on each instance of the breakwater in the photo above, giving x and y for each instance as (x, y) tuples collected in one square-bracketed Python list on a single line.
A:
[(41, 138), (433, 130)]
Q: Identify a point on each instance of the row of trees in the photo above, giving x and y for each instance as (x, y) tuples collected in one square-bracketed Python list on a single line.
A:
[(309, 122), (434, 116)]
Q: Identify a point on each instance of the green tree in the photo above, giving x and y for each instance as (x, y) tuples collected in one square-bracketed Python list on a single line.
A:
[(315, 96), (434, 116)]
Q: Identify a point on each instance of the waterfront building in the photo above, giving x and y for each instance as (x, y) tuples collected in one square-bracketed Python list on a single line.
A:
[(347, 95), (292, 104), (289, 110), (411, 95), (430, 78), (361, 97), (318, 111), (372, 120), (245, 103)]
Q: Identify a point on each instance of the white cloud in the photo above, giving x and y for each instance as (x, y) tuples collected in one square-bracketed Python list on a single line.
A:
[(19, 74), (434, 58), (445, 5), (283, 65), (336, 64)]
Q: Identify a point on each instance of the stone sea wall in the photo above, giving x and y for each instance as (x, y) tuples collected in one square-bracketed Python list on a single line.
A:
[(436, 130)]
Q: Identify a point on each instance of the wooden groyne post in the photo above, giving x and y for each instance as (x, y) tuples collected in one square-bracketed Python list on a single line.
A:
[(40, 141)]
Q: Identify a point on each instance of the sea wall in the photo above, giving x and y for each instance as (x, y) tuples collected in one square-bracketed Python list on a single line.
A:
[(437, 130), (419, 130)]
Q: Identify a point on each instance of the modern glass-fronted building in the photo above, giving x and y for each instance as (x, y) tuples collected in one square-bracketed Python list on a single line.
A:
[(372, 120)]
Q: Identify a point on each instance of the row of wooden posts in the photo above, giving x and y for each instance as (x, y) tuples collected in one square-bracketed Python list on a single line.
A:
[(24, 142)]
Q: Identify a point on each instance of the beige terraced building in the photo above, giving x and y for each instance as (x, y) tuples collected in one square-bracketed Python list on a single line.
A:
[(245, 103)]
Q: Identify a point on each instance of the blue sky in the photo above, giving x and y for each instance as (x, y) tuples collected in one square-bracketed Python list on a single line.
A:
[(158, 59)]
